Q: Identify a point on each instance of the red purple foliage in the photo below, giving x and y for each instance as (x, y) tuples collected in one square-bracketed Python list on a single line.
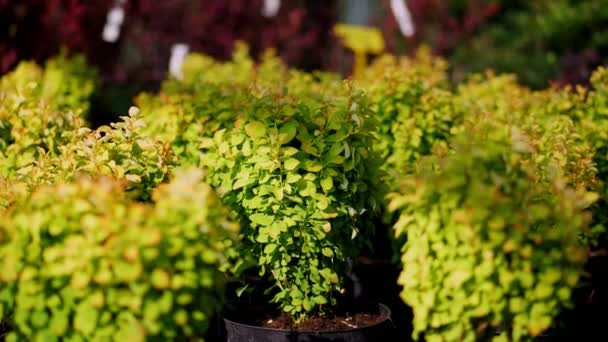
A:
[(36, 29), (437, 23)]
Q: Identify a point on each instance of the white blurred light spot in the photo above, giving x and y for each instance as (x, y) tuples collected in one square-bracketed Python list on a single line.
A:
[(178, 53), (116, 16), (114, 20), (110, 33), (271, 8), (403, 17)]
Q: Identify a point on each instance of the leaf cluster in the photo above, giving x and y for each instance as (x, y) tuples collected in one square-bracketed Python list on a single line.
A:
[(81, 261)]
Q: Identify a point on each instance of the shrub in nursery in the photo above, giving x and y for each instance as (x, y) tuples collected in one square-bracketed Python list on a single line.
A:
[(212, 94), (181, 119), (268, 76), (411, 99), (557, 146), (82, 262), (119, 150), (298, 171), (488, 246), (63, 83), (589, 110), (41, 109)]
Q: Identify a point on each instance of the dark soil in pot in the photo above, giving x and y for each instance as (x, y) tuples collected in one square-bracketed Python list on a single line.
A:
[(361, 323)]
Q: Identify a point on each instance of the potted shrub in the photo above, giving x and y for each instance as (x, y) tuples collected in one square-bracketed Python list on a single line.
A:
[(489, 246), (300, 174), (83, 262)]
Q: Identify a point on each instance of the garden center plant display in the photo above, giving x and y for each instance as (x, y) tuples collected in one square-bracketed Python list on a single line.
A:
[(495, 189), (84, 262), (40, 109)]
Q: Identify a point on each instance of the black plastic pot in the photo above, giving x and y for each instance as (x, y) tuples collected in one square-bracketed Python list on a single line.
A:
[(381, 331)]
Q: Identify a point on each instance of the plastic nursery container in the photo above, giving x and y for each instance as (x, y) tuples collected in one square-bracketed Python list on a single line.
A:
[(239, 331)]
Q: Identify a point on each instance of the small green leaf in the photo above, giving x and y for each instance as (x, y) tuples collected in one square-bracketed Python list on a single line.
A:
[(307, 304), (241, 182), (322, 202), (291, 164), (327, 252), (270, 248), (293, 177), (85, 319), (288, 151), (320, 300), (255, 129), (261, 219), (327, 184), (312, 165), (240, 290), (287, 132)]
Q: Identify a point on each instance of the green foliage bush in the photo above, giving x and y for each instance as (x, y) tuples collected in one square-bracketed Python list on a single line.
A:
[(119, 150), (181, 119), (299, 174), (412, 102), (82, 262), (488, 245), (41, 109), (493, 188), (213, 94), (557, 146)]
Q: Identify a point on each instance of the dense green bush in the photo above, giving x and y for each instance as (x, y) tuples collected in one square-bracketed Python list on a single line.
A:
[(181, 119), (41, 109), (299, 174), (558, 148), (82, 262), (489, 246), (63, 83), (589, 110), (413, 105), (119, 150), (213, 94)]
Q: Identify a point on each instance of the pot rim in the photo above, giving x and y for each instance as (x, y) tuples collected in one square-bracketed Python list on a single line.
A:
[(383, 309)]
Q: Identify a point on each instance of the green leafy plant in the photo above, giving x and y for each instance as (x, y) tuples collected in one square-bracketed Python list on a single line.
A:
[(488, 245), (298, 171), (589, 111), (212, 94), (411, 99), (83, 262), (41, 109), (182, 118), (119, 150), (560, 141)]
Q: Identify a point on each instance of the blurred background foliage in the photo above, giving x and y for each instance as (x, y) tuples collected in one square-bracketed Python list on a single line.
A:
[(541, 41)]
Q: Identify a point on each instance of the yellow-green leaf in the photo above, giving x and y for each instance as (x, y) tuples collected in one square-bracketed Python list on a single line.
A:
[(255, 129)]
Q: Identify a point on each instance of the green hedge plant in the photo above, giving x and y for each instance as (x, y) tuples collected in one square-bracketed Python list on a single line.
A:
[(41, 109), (489, 247), (413, 104), (82, 262), (119, 150), (298, 171), (212, 94)]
